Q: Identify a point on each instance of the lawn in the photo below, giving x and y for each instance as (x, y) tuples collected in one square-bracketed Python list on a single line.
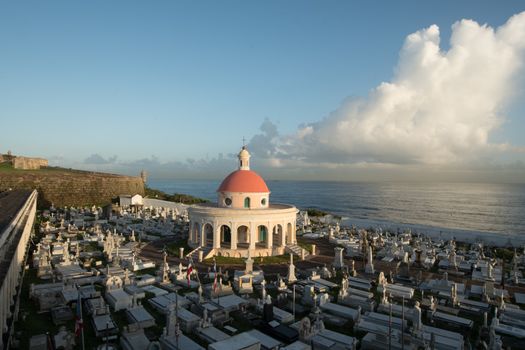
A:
[(267, 260), (173, 248)]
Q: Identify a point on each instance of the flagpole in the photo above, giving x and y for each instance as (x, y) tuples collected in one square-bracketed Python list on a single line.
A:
[(403, 324), (79, 301), (177, 318), (82, 329), (390, 323)]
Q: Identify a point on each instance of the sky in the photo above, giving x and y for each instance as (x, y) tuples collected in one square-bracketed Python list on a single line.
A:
[(320, 90)]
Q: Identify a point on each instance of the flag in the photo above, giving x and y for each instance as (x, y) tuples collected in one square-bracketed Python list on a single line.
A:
[(79, 323), (188, 272)]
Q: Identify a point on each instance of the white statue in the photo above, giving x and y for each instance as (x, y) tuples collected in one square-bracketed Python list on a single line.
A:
[(418, 325)]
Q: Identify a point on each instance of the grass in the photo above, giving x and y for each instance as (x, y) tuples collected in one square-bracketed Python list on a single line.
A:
[(173, 248), (278, 259), (5, 166), (92, 247), (266, 260), (306, 246), (8, 167), (176, 197), (224, 260)]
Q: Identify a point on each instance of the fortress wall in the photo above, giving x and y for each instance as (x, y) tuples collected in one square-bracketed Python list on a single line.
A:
[(72, 188), (29, 163)]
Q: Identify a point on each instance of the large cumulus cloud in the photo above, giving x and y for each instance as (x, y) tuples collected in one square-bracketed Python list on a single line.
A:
[(440, 107)]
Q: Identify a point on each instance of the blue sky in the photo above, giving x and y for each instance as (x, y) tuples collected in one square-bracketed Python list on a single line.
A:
[(164, 81)]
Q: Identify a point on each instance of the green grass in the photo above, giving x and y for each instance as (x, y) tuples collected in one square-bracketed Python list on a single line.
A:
[(8, 167), (306, 246), (92, 247), (267, 260), (224, 260), (176, 197), (5, 166), (173, 248), (278, 259)]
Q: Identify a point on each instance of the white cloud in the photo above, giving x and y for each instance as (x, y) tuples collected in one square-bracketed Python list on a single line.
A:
[(440, 107), (99, 160)]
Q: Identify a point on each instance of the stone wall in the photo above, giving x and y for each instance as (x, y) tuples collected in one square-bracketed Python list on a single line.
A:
[(70, 187), (29, 163)]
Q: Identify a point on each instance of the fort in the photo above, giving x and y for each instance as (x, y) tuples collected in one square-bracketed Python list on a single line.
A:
[(25, 163), (64, 187)]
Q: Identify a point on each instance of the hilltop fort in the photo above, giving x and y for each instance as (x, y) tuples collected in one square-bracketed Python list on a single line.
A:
[(64, 187), (25, 163)]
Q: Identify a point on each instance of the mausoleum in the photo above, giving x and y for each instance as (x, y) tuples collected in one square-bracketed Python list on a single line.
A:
[(243, 219)]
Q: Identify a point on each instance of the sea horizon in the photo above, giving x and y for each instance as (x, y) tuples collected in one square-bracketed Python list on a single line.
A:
[(471, 211)]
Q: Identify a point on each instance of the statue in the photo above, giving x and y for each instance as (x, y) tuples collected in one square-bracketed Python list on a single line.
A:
[(416, 321)]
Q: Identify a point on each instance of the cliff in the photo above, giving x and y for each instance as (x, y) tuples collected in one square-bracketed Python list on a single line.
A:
[(66, 187)]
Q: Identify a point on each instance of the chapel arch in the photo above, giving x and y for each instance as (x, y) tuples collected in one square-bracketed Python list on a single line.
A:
[(208, 234), (226, 236), (243, 236), (262, 234)]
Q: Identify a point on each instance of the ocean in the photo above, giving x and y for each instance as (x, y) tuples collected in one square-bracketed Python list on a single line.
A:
[(494, 213)]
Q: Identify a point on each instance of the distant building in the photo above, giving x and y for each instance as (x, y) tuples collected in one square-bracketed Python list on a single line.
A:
[(242, 221), (17, 216), (25, 163), (130, 201)]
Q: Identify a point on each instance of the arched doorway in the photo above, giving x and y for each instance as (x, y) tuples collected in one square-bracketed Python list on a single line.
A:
[(208, 234), (262, 235), (243, 236), (226, 236), (277, 235)]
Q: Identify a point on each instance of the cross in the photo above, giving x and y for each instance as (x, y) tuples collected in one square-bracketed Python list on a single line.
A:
[(243, 141)]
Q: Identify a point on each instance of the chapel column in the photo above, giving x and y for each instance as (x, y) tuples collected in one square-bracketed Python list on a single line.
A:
[(253, 235), (216, 235), (233, 236), (284, 228), (269, 236)]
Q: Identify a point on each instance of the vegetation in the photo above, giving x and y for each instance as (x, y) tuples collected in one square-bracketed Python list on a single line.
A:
[(277, 259), (224, 260), (173, 248), (266, 260), (316, 212), (505, 254), (176, 197), (92, 247), (306, 246), (6, 166)]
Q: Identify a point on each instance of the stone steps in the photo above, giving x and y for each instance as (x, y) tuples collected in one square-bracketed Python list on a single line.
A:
[(194, 254), (296, 250)]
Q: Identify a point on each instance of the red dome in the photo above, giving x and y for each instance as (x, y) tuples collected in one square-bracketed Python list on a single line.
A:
[(243, 181)]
